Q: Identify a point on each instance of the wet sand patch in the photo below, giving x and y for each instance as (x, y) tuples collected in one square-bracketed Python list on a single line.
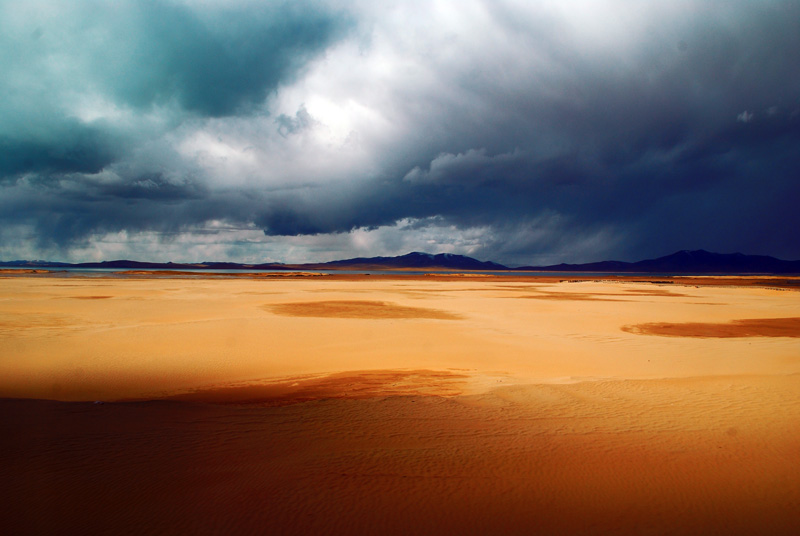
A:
[(356, 309), (633, 294), (577, 296), (751, 327), (654, 292)]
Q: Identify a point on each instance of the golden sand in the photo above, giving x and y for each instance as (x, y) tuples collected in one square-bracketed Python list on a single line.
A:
[(398, 405)]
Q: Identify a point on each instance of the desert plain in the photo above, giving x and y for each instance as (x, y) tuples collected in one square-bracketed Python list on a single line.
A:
[(145, 403)]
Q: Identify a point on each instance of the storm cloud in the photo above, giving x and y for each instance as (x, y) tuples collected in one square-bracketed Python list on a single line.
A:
[(519, 132)]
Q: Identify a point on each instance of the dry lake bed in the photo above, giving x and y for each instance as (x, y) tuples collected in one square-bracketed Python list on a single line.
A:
[(305, 404)]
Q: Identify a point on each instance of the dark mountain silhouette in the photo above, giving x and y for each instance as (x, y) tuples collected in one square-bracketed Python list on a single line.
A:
[(33, 264), (682, 262), (691, 262), (412, 260)]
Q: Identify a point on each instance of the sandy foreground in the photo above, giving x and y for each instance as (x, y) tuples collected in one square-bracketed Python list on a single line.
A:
[(398, 405)]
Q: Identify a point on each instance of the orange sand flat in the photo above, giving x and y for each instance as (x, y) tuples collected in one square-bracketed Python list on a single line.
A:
[(398, 405)]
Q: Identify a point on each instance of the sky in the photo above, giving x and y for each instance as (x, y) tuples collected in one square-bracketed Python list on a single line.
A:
[(523, 132)]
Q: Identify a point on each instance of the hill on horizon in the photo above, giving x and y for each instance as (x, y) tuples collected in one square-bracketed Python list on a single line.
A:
[(680, 262), (685, 261)]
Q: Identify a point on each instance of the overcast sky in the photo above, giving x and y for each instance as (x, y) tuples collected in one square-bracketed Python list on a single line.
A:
[(519, 131)]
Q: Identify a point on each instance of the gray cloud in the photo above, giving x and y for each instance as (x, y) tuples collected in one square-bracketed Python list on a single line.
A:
[(68, 147), (555, 132), (67, 64)]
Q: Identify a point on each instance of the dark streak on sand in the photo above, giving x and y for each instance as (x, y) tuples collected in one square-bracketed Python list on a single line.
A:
[(348, 385), (752, 327), (357, 309)]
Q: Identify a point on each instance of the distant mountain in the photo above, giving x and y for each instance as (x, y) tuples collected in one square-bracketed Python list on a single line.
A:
[(138, 265), (33, 264), (682, 262), (126, 264), (133, 265), (412, 260), (688, 262), (415, 260)]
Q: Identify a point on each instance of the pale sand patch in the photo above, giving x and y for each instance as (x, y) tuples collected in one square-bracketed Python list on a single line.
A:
[(751, 327)]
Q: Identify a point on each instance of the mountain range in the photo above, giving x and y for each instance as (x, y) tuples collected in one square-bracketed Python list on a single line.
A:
[(688, 262), (685, 261)]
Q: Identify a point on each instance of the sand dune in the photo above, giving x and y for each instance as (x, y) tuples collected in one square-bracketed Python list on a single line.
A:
[(344, 405)]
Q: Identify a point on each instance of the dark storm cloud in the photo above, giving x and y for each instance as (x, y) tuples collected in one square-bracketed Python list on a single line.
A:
[(628, 132), (653, 131), (215, 63), (155, 57), (74, 148), (87, 84)]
